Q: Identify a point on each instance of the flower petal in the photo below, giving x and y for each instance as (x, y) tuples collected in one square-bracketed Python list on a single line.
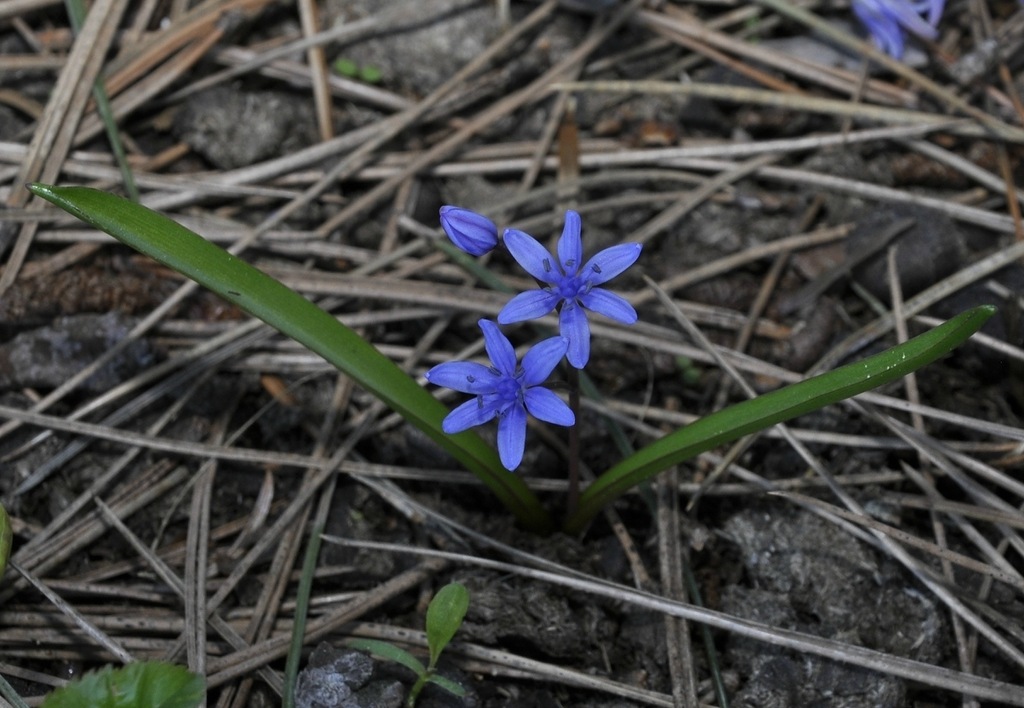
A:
[(881, 25), (512, 437), (532, 256), (528, 306), (499, 349), (541, 360), (610, 262), (570, 245), (610, 305), (910, 18), (473, 233), (464, 376), (572, 323), (544, 405), (475, 411)]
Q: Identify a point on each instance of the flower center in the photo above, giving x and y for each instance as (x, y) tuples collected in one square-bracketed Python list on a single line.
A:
[(508, 389), (572, 287)]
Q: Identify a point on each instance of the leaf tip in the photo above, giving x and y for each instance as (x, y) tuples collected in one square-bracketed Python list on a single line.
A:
[(49, 192), (976, 317)]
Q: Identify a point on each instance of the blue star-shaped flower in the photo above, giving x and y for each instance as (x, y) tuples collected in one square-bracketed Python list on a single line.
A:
[(473, 233), (505, 390), (569, 284), (885, 20)]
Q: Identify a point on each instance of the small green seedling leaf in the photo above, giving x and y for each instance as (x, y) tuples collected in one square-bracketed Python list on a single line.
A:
[(370, 74), (147, 684), (689, 371), (346, 67), (447, 684), (6, 536), (350, 69), (390, 652), (444, 617)]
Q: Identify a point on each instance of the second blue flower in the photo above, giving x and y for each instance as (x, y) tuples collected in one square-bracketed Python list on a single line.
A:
[(505, 391)]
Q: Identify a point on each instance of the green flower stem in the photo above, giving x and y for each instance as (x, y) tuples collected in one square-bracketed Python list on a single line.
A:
[(303, 594), (284, 309), (76, 13), (776, 407), (574, 441)]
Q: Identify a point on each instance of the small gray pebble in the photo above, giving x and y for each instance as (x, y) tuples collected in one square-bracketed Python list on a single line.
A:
[(46, 357), (340, 678), (321, 688)]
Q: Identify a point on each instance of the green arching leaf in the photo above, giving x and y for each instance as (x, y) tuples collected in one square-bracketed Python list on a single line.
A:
[(284, 309), (146, 684), (6, 536), (776, 407), (444, 617), (386, 650), (447, 684)]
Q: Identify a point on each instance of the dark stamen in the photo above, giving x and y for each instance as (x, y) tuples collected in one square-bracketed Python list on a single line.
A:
[(547, 265), (596, 268)]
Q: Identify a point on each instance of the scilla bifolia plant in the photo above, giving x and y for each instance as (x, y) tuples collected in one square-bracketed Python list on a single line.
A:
[(282, 308), (566, 283)]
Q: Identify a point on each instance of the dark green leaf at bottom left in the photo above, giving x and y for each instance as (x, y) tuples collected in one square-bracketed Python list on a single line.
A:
[(147, 684)]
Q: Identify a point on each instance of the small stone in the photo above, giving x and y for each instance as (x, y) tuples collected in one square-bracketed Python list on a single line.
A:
[(48, 356), (355, 666), (321, 688), (927, 252), (340, 678), (233, 128)]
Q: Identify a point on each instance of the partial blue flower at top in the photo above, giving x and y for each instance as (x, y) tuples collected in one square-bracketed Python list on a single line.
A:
[(569, 284), (473, 233), (886, 20), (505, 390)]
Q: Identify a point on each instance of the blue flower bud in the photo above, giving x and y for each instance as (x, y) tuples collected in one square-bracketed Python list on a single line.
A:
[(471, 232)]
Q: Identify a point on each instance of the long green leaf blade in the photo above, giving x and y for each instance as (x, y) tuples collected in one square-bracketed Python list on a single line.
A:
[(255, 292), (778, 406)]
